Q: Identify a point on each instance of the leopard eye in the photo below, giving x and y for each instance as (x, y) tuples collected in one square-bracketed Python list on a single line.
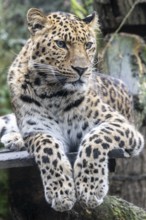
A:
[(88, 45), (60, 44), (37, 26)]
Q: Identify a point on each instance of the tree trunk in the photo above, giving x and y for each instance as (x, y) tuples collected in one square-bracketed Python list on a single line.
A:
[(112, 12), (28, 203)]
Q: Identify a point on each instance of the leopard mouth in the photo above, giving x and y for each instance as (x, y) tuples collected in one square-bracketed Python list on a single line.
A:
[(63, 81), (77, 82)]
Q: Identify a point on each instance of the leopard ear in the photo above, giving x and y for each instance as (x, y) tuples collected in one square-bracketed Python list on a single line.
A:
[(92, 20), (36, 20)]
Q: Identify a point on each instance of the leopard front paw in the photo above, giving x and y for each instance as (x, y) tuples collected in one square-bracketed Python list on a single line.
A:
[(59, 184), (135, 146), (13, 141), (60, 193), (91, 183)]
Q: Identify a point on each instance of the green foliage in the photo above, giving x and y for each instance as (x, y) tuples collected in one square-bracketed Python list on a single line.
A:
[(82, 8), (10, 43)]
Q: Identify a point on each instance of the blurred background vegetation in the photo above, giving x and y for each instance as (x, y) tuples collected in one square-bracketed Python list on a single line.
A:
[(13, 34)]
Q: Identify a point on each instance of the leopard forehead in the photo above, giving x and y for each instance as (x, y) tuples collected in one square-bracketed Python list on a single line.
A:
[(69, 27), (67, 24), (57, 16), (62, 18)]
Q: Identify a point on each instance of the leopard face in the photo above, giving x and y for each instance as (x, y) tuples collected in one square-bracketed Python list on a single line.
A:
[(63, 46)]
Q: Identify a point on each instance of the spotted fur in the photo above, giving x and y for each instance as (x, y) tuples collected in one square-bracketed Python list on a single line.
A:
[(62, 105)]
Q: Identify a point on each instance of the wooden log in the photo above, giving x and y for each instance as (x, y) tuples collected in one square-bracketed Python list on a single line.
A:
[(12, 159)]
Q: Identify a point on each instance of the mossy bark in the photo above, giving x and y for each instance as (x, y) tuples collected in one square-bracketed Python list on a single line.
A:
[(112, 209)]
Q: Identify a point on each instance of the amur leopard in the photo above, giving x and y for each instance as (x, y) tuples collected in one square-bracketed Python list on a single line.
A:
[(62, 105)]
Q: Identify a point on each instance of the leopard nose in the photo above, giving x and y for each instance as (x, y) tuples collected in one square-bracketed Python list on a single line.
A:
[(79, 70)]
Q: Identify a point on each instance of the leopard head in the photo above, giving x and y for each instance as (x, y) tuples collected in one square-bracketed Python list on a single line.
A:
[(63, 46)]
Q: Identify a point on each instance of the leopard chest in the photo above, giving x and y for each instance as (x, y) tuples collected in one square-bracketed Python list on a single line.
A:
[(75, 124), (74, 118)]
